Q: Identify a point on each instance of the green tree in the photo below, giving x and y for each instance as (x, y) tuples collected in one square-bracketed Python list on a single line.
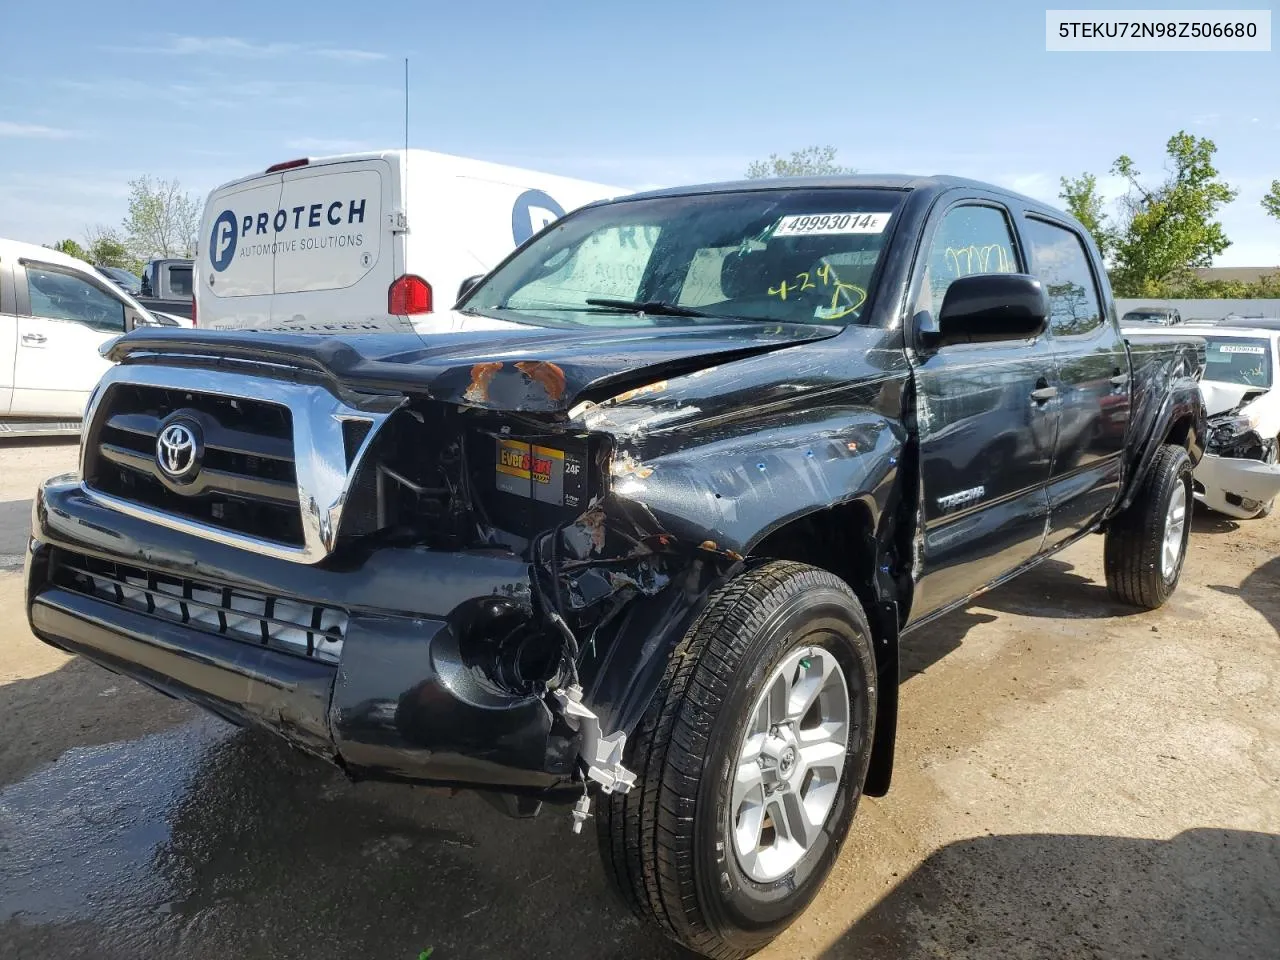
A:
[(1086, 204), (1168, 229), (162, 220), (108, 248), (815, 161), (1271, 202), (70, 248)]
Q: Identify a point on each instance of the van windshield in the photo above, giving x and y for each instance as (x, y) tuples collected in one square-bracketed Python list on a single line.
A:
[(791, 256)]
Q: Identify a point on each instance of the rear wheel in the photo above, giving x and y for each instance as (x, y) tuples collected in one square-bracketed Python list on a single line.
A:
[(1147, 543), (750, 762)]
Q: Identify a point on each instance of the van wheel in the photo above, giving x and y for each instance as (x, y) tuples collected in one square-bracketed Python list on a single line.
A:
[(1147, 543), (750, 762)]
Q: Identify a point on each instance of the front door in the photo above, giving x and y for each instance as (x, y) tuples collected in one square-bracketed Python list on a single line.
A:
[(987, 419), (67, 319)]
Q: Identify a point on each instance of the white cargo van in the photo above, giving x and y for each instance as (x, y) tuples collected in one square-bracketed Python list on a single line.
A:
[(366, 242)]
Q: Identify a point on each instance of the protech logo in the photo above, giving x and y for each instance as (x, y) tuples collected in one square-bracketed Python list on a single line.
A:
[(229, 229)]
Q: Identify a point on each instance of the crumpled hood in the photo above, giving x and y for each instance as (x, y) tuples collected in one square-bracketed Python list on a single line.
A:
[(1219, 397), (485, 362)]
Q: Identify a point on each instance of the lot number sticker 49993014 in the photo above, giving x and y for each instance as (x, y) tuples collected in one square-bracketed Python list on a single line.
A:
[(815, 224)]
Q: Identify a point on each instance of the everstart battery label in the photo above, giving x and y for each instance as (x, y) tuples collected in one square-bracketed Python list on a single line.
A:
[(544, 474)]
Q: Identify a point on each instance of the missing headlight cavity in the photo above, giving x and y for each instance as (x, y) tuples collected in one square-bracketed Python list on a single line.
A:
[(451, 479)]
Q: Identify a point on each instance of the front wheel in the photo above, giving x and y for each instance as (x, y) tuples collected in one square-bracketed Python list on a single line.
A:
[(750, 762), (1147, 543)]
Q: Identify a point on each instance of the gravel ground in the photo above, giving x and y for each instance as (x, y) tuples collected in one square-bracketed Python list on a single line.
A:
[(1073, 780)]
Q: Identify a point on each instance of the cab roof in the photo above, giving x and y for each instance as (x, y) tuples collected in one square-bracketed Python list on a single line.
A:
[(933, 184)]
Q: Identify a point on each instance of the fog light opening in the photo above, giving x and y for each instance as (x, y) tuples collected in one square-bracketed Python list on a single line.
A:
[(510, 649)]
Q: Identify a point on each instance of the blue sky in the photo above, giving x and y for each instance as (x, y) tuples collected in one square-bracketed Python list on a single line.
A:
[(634, 95)]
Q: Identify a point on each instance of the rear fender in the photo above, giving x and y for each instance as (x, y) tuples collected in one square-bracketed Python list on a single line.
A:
[(1169, 409)]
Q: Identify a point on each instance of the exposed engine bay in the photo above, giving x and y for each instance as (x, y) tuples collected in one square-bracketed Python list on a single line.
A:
[(1240, 475)]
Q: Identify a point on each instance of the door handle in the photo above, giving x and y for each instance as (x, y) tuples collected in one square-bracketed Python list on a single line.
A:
[(1043, 394), (34, 339)]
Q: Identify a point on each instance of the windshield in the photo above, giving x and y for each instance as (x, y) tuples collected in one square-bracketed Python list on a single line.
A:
[(1145, 316), (790, 256), (1238, 360)]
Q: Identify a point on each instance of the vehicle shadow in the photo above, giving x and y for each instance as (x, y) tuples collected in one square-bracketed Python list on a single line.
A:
[(1261, 590), (15, 527), (1206, 893), (1206, 521), (50, 440), (1053, 589), (921, 649)]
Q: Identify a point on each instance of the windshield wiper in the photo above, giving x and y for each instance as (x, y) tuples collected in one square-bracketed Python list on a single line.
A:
[(659, 308)]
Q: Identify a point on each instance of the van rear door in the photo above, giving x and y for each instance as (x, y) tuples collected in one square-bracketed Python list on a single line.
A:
[(335, 255), (237, 267)]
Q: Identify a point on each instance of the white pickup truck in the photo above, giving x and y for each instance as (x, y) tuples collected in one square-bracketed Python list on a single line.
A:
[(55, 314)]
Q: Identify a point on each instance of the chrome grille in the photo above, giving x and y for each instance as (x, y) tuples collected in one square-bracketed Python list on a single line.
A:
[(246, 482), (278, 623), (326, 433)]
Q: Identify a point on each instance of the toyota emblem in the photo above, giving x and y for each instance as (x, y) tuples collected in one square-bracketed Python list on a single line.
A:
[(177, 451)]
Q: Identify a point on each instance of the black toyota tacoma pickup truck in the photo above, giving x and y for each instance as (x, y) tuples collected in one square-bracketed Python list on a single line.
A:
[(647, 527)]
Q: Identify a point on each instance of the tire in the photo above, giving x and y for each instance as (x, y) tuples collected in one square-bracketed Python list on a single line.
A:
[(1134, 552), (668, 845)]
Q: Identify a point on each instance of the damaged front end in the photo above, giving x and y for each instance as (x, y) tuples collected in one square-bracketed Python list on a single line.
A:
[(416, 589), (1239, 475)]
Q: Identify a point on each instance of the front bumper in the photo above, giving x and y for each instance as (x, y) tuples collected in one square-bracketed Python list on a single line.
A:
[(399, 702), (1236, 486)]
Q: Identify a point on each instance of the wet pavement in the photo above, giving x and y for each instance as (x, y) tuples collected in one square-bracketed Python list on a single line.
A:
[(1074, 780), (205, 835)]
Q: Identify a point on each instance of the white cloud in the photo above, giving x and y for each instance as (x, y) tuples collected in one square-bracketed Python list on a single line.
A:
[(34, 131), (349, 56), (320, 145), (245, 94), (238, 47)]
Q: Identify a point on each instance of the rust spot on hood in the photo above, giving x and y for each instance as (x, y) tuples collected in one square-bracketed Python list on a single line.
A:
[(545, 373), (482, 375)]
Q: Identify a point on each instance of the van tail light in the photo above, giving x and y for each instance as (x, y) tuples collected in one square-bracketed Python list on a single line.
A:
[(287, 165), (193, 309), (409, 294)]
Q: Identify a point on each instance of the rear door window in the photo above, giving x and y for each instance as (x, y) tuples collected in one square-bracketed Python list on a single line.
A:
[(179, 281), (1060, 261)]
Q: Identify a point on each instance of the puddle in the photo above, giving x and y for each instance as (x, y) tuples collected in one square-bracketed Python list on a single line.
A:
[(79, 837)]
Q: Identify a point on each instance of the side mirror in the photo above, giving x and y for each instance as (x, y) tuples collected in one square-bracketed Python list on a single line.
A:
[(468, 285), (134, 320), (989, 307)]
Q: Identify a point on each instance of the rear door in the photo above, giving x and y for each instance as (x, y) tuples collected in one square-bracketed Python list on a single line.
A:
[(65, 316), (1093, 380), (986, 420), (334, 260), (236, 265)]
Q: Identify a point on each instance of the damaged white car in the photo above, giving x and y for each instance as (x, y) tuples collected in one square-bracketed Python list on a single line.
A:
[(1239, 475)]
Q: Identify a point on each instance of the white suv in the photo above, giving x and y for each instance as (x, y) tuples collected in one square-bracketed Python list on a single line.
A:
[(56, 312)]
